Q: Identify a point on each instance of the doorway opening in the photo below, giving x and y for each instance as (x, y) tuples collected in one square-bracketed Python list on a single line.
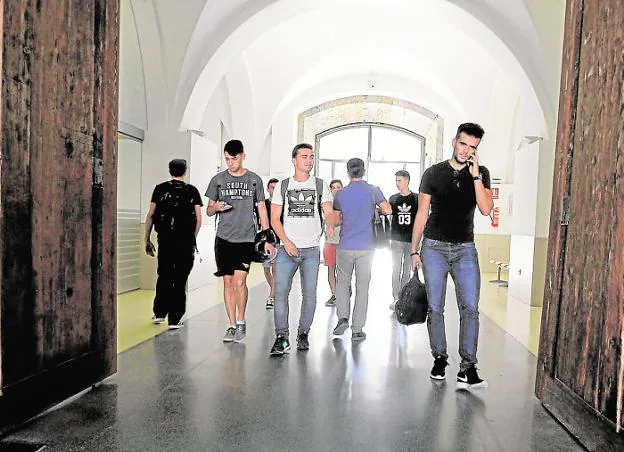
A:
[(384, 148)]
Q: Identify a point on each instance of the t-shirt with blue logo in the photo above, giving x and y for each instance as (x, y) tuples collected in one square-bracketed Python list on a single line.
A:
[(356, 204)]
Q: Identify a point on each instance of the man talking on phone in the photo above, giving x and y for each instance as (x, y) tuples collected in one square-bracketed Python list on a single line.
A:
[(452, 189)]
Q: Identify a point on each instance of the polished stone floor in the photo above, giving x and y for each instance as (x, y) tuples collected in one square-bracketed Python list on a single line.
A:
[(187, 391)]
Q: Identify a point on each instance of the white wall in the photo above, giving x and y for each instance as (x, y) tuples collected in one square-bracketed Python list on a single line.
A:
[(129, 160), (525, 189), (203, 164), (132, 108), (522, 247)]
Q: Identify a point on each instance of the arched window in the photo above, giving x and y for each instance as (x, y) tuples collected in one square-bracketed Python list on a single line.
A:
[(384, 148)]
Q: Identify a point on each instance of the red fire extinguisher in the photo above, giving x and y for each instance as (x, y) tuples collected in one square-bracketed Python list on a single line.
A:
[(494, 216)]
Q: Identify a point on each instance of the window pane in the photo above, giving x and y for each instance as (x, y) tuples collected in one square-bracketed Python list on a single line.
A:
[(340, 172), (345, 144), (324, 170), (392, 145), (382, 175), (414, 170)]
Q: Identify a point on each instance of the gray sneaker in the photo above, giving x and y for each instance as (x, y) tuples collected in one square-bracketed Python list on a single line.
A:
[(358, 336), (241, 332), (331, 301), (342, 326), (229, 334)]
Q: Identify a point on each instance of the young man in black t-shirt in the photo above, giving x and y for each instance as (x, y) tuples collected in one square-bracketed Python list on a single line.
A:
[(175, 211), (404, 207), (452, 189)]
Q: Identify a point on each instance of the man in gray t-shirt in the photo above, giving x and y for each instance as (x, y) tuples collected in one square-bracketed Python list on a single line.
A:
[(232, 195), (237, 224)]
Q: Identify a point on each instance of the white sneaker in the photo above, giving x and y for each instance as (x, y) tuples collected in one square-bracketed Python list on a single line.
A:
[(157, 320)]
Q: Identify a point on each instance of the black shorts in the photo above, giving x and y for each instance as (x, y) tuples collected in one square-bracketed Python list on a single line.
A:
[(231, 256)]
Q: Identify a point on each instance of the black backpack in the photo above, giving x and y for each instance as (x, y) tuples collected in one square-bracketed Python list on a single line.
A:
[(319, 192), (175, 211)]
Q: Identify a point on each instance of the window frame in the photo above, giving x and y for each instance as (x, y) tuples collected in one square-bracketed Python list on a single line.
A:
[(370, 126)]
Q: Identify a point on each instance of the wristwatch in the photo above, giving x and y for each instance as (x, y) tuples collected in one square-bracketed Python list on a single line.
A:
[(479, 177)]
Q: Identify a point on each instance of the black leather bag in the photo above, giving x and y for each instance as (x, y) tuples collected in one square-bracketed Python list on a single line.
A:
[(412, 305)]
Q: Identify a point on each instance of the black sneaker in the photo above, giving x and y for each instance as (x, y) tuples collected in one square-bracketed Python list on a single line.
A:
[(331, 301), (302, 341), (342, 326), (469, 378), (281, 345), (437, 371)]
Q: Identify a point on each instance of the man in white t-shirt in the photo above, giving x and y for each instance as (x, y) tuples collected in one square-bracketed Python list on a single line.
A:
[(300, 198)]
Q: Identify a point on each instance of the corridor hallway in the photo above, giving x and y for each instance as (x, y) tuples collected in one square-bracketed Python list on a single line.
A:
[(185, 390)]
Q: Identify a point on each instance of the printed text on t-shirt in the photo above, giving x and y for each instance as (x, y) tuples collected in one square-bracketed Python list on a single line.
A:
[(236, 190), (404, 215), (301, 203)]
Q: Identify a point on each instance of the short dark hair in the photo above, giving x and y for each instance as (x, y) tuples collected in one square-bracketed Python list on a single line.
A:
[(402, 173), (295, 150), (234, 147), (470, 128), (272, 181), (356, 168), (335, 181), (177, 167)]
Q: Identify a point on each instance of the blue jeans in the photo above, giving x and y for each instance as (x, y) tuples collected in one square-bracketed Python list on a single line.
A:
[(285, 267), (461, 261)]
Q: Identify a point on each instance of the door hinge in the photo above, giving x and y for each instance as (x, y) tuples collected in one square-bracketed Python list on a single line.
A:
[(565, 211), (98, 172)]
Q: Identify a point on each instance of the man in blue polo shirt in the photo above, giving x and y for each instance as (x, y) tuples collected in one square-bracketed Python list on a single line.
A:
[(355, 207)]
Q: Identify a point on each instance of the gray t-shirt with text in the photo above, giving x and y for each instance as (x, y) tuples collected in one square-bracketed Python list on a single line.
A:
[(237, 224)]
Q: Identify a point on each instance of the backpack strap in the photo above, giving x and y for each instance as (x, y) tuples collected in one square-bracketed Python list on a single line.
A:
[(256, 212), (283, 190), (255, 198), (319, 194)]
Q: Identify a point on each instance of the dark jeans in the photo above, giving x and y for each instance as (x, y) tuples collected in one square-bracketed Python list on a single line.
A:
[(461, 261), (175, 261)]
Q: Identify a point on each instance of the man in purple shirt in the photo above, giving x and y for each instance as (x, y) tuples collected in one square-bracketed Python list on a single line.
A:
[(355, 207)]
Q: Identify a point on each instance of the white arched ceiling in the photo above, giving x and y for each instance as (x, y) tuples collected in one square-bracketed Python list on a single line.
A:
[(491, 30), (363, 62)]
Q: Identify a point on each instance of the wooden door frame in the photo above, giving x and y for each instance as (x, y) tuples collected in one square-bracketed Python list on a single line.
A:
[(595, 430), (564, 153), (1, 213), (26, 395)]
